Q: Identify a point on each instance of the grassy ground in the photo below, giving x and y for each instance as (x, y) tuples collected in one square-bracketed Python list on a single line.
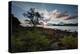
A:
[(40, 39)]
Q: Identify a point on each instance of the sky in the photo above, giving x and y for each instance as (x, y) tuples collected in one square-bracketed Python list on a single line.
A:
[(49, 11)]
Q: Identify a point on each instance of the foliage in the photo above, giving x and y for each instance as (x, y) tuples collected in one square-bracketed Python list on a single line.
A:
[(69, 41), (33, 16), (25, 40)]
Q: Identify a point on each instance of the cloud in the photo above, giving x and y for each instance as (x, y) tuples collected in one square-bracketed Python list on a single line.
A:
[(71, 17), (65, 15), (54, 17)]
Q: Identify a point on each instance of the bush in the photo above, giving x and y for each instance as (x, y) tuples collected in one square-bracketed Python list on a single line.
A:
[(28, 41), (69, 41)]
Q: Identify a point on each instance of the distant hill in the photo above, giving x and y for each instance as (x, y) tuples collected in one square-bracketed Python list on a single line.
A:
[(76, 24), (14, 20)]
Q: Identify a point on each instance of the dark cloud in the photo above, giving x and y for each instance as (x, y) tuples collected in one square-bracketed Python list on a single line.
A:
[(71, 17)]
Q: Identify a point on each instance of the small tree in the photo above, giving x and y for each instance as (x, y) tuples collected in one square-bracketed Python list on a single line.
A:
[(33, 16)]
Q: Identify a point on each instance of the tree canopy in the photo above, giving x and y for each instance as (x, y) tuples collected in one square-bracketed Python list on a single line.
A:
[(33, 16)]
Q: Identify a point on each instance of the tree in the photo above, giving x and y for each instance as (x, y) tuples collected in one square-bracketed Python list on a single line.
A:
[(33, 16)]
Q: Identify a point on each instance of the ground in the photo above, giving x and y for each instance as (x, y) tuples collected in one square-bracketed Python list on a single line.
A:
[(26, 39)]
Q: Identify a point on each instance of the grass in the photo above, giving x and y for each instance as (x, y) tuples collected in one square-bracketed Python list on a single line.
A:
[(35, 39)]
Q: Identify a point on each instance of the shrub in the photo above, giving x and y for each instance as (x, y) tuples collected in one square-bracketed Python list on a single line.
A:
[(28, 41), (69, 41)]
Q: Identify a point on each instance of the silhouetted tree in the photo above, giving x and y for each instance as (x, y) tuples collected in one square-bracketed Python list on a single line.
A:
[(33, 16)]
